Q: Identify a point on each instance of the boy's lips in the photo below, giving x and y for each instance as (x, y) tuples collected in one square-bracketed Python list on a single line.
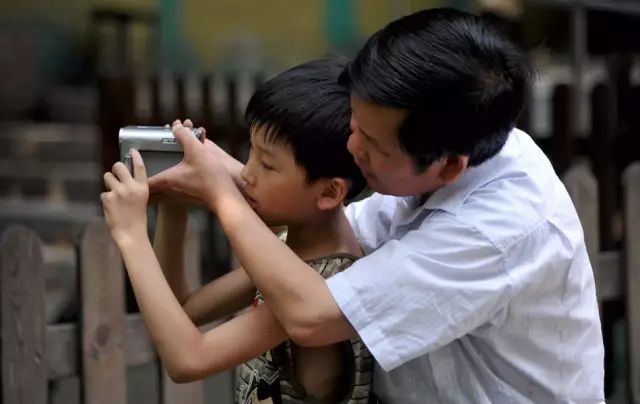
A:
[(252, 202)]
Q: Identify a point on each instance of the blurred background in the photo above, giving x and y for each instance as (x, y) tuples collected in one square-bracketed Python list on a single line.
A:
[(73, 72)]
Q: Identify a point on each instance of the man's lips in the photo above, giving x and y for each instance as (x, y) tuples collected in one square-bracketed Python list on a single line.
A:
[(363, 169)]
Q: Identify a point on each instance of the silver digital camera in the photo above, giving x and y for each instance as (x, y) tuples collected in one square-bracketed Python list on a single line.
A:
[(159, 149)]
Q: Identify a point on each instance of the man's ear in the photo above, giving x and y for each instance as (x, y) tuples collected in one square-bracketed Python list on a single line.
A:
[(452, 168), (333, 193)]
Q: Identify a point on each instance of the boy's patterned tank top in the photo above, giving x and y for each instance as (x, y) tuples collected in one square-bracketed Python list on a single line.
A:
[(270, 377)]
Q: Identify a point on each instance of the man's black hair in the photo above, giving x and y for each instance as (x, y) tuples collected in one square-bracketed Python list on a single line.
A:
[(307, 109), (462, 84)]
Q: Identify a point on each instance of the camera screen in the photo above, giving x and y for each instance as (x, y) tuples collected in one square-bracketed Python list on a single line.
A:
[(156, 161)]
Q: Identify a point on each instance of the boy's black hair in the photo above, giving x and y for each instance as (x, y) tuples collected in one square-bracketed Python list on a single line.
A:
[(307, 109), (461, 82)]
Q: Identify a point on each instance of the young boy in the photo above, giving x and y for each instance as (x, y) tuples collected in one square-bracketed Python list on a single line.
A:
[(298, 174)]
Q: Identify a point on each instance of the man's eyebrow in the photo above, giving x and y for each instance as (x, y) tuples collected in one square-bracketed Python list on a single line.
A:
[(368, 136)]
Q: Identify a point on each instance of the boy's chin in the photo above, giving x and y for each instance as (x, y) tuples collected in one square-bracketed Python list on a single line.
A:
[(270, 221)]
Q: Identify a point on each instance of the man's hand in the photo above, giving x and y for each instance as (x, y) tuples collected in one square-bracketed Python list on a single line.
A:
[(199, 178), (167, 185), (125, 202)]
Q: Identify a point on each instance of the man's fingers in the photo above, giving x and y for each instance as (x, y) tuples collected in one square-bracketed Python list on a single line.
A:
[(185, 136), (203, 134), (139, 171), (160, 181), (187, 122)]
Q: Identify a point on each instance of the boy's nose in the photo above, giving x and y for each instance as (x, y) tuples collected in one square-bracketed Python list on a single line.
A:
[(246, 176)]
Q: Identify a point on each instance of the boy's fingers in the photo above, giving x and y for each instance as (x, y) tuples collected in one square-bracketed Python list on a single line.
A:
[(139, 170), (110, 181), (121, 172), (187, 122), (176, 122)]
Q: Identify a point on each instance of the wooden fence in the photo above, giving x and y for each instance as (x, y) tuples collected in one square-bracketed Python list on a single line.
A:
[(617, 272), (97, 349)]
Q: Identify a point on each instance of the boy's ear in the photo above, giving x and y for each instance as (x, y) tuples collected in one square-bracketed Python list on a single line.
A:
[(333, 193)]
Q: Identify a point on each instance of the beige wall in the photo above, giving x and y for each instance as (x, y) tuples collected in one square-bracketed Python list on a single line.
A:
[(233, 32)]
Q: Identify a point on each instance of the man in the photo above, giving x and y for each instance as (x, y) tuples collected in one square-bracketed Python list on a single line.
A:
[(477, 287)]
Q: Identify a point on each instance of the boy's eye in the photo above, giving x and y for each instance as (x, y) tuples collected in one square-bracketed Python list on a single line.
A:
[(266, 166)]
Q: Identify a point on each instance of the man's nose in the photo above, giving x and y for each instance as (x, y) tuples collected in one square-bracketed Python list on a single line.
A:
[(355, 148)]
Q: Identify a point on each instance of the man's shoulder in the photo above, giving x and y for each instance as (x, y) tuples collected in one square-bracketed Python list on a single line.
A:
[(513, 196)]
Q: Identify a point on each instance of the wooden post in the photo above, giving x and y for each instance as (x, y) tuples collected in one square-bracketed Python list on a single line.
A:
[(102, 319), (206, 107), (563, 129), (583, 189), (604, 118), (192, 393), (24, 365), (181, 97), (632, 253), (156, 108)]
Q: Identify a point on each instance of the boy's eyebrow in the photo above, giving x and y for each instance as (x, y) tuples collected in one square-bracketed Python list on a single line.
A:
[(264, 150)]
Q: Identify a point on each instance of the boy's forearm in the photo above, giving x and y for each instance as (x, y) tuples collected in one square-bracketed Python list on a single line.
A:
[(220, 298), (172, 331), (168, 245)]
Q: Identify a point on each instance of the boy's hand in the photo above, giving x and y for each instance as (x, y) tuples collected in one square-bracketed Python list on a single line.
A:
[(125, 202)]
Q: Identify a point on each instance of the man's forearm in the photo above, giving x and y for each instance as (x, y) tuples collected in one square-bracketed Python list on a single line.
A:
[(233, 166), (298, 295)]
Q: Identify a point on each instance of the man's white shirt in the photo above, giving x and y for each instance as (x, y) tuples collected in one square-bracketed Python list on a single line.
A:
[(483, 294)]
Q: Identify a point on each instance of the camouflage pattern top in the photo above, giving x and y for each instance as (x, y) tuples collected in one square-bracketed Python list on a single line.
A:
[(270, 377)]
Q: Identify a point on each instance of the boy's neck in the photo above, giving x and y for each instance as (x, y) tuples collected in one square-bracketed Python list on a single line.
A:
[(328, 233)]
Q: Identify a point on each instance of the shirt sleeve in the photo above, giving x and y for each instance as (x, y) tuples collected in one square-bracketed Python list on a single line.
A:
[(416, 294), (370, 218)]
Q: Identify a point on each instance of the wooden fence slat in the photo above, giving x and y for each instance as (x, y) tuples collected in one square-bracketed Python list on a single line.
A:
[(611, 275), (24, 366), (632, 249), (102, 319), (604, 120), (563, 128), (206, 107), (62, 347), (583, 189), (173, 393)]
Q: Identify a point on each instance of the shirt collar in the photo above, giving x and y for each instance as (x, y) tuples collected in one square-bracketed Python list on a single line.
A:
[(451, 197)]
